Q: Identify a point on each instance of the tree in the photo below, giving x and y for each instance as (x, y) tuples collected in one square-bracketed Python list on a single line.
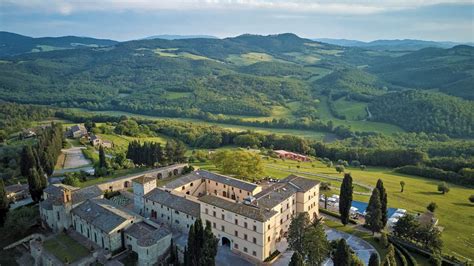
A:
[(432, 206), (471, 198), (443, 188), (339, 168), (374, 259), (389, 259), (373, 218), (402, 186), (4, 204), (36, 184), (296, 259), (209, 249), (342, 256), (296, 232), (242, 164), (383, 201), (71, 180), (345, 198), (173, 258), (102, 159), (201, 248), (28, 160), (356, 261), (315, 244), (384, 239)]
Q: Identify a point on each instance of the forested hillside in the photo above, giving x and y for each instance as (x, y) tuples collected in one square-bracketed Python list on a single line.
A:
[(426, 112), (280, 77), (14, 44)]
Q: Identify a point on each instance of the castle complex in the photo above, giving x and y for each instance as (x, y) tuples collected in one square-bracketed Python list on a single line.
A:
[(248, 218)]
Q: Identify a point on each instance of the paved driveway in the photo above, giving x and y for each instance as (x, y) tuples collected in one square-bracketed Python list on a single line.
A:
[(361, 247), (225, 257)]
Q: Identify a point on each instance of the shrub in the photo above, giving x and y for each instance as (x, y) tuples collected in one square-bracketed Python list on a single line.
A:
[(355, 163), (383, 239), (443, 188), (325, 186), (432, 206), (435, 173)]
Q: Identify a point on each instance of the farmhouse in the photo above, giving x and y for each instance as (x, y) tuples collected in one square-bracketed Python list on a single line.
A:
[(77, 131), (282, 154), (17, 192), (96, 141)]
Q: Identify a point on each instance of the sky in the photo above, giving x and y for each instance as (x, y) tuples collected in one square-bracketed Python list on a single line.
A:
[(366, 20)]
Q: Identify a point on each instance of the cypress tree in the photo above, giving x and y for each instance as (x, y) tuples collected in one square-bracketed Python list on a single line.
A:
[(374, 259), (209, 248), (383, 201), (296, 259), (28, 161), (390, 257), (102, 161), (4, 204), (373, 218), (345, 198), (342, 257), (189, 258), (35, 185)]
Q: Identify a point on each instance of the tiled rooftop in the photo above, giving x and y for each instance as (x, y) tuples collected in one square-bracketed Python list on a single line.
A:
[(275, 194), (258, 213), (230, 181), (146, 234), (144, 179), (300, 183), (86, 193), (173, 201), (102, 214)]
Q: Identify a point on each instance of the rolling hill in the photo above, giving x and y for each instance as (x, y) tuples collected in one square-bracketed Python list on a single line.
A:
[(15, 44), (392, 45), (249, 75)]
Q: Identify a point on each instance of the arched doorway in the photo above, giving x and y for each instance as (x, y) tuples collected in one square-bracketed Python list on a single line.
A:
[(159, 175), (175, 172), (126, 184), (225, 241)]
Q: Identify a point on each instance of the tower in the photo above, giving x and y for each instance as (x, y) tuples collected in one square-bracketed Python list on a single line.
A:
[(141, 186)]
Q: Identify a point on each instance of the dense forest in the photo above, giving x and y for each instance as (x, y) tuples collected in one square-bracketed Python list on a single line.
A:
[(419, 111)]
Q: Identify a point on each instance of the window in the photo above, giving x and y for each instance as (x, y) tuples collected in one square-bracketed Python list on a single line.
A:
[(245, 224), (255, 228), (255, 240), (208, 181), (287, 205), (269, 238), (281, 210), (268, 226), (223, 217), (215, 191), (182, 188), (214, 213), (281, 221), (57, 214), (236, 221), (245, 250), (240, 190), (248, 193), (176, 221), (217, 184), (177, 212), (236, 233), (245, 236), (254, 253), (222, 228), (214, 225), (224, 186), (191, 184), (236, 246)]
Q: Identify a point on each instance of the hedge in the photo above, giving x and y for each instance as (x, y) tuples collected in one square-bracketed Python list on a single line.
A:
[(336, 215), (411, 260), (435, 173), (400, 255)]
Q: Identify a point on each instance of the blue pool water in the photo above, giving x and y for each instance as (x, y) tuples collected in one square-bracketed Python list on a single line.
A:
[(363, 205)]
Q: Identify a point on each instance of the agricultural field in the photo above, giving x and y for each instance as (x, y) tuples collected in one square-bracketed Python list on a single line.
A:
[(121, 142), (352, 110), (251, 58), (454, 210)]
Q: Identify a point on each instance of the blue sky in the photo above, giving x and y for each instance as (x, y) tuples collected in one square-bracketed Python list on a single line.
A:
[(440, 20)]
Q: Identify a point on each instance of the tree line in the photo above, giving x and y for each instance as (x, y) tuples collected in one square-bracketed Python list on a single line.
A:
[(151, 153), (38, 160)]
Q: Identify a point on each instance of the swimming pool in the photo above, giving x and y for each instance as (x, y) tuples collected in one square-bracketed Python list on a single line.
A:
[(363, 205)]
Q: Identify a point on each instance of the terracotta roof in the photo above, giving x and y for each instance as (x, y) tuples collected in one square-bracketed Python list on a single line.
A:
[(173, 201), (300, 183), (258, 213), (230, 181), (146, 234), (144, 179), (103, 214)]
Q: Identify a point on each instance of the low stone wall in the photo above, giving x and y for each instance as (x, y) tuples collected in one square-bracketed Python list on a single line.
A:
[(125, 182)]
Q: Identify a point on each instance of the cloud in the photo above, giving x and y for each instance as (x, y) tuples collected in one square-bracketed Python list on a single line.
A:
[(343, 7)]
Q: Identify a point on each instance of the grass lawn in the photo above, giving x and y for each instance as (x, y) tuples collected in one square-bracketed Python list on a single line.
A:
[(454, 210), (353, 110), (121, 142), (65, 248)]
